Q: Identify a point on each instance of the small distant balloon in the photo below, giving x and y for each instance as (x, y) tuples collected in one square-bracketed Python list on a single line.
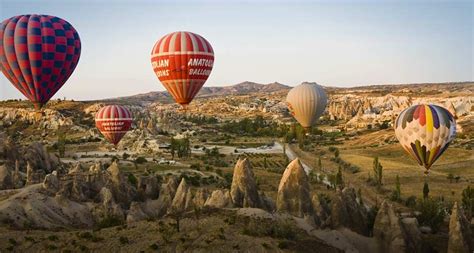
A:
[(113, 121), (306, 103), (182, 61), (425, 132), (38, 54)]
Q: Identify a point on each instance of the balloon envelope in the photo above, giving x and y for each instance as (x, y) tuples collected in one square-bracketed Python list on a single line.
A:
[(182, 61), (113, 121), (306, 103), (425, 132), (38, 53)]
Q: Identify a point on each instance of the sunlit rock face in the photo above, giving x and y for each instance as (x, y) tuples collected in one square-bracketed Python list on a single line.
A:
[(388, 231), (293, 192), (244, 192), (460, 234)]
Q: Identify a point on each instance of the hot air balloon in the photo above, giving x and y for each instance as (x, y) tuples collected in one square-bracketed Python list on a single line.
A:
[(425, 131), (113, 121), (38, 53), (306, 103), (182, 61)]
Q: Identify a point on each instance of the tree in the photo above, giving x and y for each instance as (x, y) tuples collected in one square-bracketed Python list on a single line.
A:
[(468, 201), (359, 195), (300, 137), (172, 147), (125, 156), (450, 177), (457, 178), (396, 194), (265, 162), (320, 165), (339, 180), (61, 143), (426, 190), (336, 153), (378, 171)]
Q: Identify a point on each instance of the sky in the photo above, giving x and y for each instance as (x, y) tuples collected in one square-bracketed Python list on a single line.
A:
[(333, 43)]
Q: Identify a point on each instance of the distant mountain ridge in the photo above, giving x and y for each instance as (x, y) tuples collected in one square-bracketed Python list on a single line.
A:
[(248, 87), (237, 89)]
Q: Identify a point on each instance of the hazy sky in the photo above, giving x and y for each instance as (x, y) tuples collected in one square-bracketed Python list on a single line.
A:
[(333, 43)]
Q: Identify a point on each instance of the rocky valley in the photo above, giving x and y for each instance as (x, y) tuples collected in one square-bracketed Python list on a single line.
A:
[(235, 173)]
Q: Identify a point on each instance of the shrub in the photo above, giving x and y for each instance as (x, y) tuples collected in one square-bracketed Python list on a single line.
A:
[(410, 201), (432, 213), (53, 238), (109, 221), (140, 160), (195, 166), (132, 180), (154, 246), (283, 244), (125, 156), (123, 240), (51, 247), (279, 229)]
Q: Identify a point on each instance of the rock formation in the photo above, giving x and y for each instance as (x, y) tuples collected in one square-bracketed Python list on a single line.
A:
[(412, 232), (388, 231), (135, 213), (51, 182), (200, 197), (122, 191), (167, 192), (5, 178), (244, 191), (460, 235), (40, 159), (322, 210), (17, 177), (293, 192), (148, 187), (347, 212), (109, 207), (182, 201), (219, 199), (76, 169)]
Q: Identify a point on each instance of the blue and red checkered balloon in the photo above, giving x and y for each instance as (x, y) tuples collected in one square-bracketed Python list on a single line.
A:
[(38, 53)]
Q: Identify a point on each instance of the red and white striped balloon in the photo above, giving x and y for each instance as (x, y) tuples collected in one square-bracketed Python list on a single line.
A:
[(113, 121), (182, 61)]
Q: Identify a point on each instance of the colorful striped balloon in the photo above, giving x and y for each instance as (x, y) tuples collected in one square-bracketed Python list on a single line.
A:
[(113, 121), (182, 61), (38, 53), (425, 132)]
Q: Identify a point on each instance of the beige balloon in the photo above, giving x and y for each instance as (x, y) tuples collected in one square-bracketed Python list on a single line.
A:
[(306, 103)]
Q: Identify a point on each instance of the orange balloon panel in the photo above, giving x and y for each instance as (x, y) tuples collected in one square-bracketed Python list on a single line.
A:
[(182, 61)]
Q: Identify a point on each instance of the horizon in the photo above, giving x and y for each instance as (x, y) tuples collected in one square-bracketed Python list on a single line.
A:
[(352, 44)]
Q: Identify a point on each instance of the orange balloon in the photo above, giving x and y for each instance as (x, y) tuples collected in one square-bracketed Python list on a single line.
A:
[(182, 61)]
